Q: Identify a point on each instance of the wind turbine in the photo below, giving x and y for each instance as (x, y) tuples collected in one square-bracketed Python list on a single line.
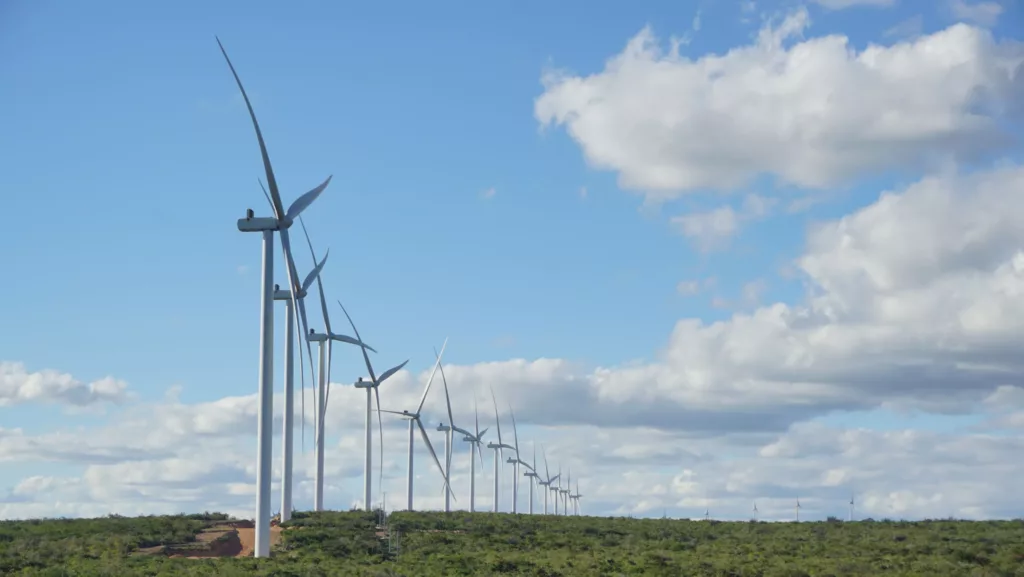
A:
[(474, 440), (414, 421), (851, 506), (565, 492), (755, 512), (287, 427), (325, 348), (515, 465), (546, 483), (557, 488), (280, 222), (798, 510), (531, 474), (374, 384), (448, 431), (498, 453), (577, 497)]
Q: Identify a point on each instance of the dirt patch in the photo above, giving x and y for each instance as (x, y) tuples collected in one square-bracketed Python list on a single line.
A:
[(235, 539)]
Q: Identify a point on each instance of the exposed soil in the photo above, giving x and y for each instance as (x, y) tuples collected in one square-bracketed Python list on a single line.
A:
[(234, 539)]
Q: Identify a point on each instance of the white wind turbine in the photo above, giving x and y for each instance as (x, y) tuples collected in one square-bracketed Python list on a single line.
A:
[(565, 492), (546, 483), (516, 461), (577, 497), (414, 421), (374, 384), (325, 346), (287, 426), (531, 474), (448, 431), (798, 510), (280, 222), (474, 440), (498, 452), (851, 506), (556, 489)]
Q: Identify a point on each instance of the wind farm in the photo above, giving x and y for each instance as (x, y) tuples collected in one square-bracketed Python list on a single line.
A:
[(559, 290)]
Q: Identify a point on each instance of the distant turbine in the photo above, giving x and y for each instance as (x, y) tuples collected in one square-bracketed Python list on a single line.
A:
[(449, 433), (287, 426), (325, 347), (755, 512), (548, 479), (474, 440), (515, 466), (556, 489), (531, 474), (565, 492), (414, 421), (578, 496), (498, 453), (851, 506), (798, 510), (374, 383), (280, 222)]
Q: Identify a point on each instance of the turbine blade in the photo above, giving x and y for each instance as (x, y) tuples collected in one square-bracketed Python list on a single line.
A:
[(384, 376), (315, 272), (327, 381), (547, 472), (302, 203), (479, 453), (483, 432), (366, 357), (496, 419), (447, 399), (515, 433), (431, 379), (265, 194), (302, 396), (426, 439), (476, 413), (271, 181), (319, 282), (395, 412), (349, 340)]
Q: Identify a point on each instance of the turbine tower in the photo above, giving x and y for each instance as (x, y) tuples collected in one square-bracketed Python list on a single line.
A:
[(287, 423), (851, 507), (325, 343), (374, 384), (414, 421), (798, 510), (280, 222), (474, 440), (498, 453)]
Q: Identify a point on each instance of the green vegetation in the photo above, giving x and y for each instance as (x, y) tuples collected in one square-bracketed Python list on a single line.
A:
[(487, 544)]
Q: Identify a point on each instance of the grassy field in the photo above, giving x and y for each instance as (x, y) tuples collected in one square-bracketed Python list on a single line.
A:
[(483, 544)]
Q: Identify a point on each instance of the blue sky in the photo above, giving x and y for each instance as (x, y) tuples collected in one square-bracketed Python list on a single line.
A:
[(129, 157)]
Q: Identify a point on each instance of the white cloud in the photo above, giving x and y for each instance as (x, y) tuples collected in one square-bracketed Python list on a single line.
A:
[(813, 113), (17, 386), (714, 229), (983, 13), (488, 193)]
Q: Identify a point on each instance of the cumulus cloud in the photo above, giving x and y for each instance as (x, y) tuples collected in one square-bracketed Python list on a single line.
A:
[(714, 229), (17, 386), (813, 112), (842, 4)]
